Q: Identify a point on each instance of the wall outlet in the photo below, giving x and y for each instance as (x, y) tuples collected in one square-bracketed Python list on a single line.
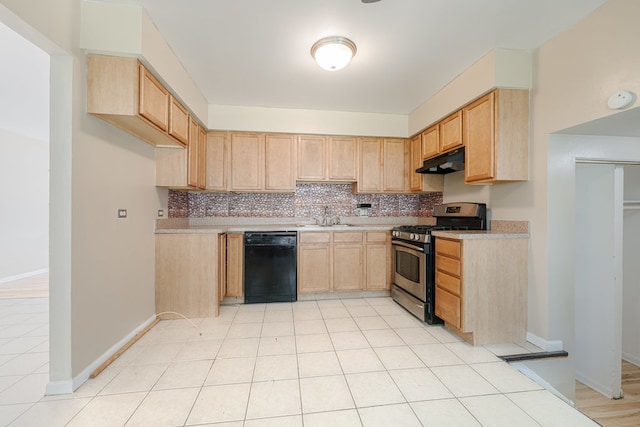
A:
[(122, 213), (160, 213), (363, 209)]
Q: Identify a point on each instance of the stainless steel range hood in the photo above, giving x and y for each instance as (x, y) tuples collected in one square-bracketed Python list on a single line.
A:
[(453, 161)]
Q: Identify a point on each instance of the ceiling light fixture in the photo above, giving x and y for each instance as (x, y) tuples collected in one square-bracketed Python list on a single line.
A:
[(333, 53)]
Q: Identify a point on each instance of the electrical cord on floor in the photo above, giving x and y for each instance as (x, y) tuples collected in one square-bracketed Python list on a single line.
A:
[(183, 316)]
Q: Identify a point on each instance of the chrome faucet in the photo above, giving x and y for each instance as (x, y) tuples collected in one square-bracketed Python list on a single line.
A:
[(325, 220)]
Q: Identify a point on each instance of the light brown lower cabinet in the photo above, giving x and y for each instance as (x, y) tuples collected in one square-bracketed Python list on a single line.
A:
[(343, 261), (314, 262), (481, 288), (348, 261), (222, 266), (378, 260), (187, 275), (235, 265)]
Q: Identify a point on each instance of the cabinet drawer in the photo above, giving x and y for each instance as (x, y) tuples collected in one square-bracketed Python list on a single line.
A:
[(377, 236), (448, 307), (312, 237), (448, 247), (448, 265), (447, 282), (348, 237)]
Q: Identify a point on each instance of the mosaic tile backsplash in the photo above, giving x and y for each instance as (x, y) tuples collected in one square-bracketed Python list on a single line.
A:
[(308, 201)]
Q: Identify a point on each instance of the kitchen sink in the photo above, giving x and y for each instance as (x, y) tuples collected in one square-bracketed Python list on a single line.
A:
[(324, 226)]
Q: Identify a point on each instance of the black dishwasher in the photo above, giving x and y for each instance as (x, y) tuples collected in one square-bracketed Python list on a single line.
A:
[(270, 266)]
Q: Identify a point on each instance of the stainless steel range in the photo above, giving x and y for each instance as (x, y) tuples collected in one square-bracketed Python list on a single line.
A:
[(414, 256)]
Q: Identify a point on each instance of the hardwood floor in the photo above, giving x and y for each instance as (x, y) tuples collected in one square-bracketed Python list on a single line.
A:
[(613, 413), (32, 287)]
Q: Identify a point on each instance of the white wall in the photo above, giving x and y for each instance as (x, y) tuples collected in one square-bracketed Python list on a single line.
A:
[(24, 197), (631, 296), (24, 157)]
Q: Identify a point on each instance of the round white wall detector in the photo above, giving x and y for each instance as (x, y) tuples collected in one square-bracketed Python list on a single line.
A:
[(621, 100)]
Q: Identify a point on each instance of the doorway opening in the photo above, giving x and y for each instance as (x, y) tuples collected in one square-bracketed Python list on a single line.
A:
[(607, 290)]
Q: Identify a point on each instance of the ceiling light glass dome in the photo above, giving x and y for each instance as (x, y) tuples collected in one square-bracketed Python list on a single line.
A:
[(333, 53)]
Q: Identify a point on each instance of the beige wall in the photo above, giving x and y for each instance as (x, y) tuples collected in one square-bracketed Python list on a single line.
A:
[(102, 268)]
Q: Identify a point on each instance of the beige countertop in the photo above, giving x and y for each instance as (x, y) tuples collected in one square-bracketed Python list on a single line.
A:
[(213, 229), (479, 234)]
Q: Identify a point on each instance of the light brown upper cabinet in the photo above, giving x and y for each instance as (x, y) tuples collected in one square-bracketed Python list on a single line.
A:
[(280, 160), (217, 159), (260, 162), (496, 133), (196, 156), (124, 93), (312, 158), (431, 142), (343, 158), (393, 165), (327, 158), (451, 132), (184, 169), (443, 136), (382, 165), (420, 182), (247, 161), (370, 168), (178, 121)]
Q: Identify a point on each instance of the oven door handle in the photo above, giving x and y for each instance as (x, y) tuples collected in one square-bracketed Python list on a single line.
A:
[(407, 245)]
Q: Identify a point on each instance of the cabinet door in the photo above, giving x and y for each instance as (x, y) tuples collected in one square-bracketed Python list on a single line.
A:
[(431, 142), (192, 154), (202, 158), (348, 267), (370, 168), (480, 139), (451, 132), (311, 158), (376, 267), (448, 307), (171, 167), (280, 163), (343, 159), (247, 162), (153, 104), (222, 266), (415, 179), (314, 268), (393, 165), (235, 265), (178, 121), (217, 161)]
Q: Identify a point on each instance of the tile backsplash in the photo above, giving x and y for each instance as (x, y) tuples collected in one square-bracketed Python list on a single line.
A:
[(307, 202)]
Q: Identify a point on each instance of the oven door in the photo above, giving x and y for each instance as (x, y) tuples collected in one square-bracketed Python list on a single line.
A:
[(409, 268)]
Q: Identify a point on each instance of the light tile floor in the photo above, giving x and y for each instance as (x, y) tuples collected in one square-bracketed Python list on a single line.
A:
[(336, 363)]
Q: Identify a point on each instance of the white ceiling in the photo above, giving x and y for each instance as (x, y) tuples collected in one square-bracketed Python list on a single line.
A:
[(256, 52)]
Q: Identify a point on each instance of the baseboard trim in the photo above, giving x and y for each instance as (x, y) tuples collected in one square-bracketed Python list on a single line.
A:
[(631, 358), (595, 385), (544, 344), (69, 386), (24, 275)]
